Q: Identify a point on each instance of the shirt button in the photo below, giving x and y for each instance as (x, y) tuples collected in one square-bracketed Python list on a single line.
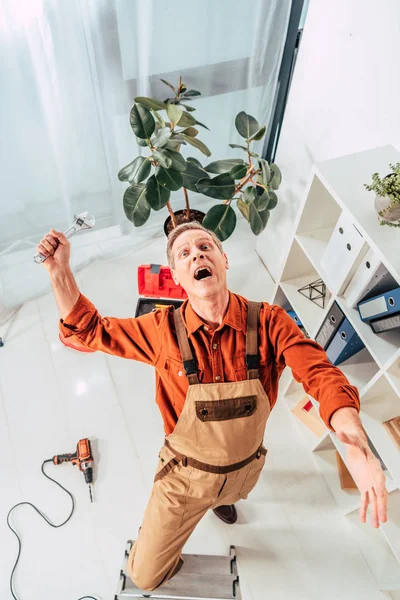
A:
[(206, 327), (215, 346), (217, 377), (180, 373)]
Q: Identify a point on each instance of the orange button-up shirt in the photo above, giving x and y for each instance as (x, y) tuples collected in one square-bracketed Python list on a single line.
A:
[(220, 353)]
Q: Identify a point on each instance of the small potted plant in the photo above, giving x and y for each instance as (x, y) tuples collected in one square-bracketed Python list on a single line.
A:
[(387, 198), (252, 183)]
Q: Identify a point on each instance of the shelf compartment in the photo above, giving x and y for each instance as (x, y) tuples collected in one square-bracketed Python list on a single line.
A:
[(378, 405), (382, 346), (293, 396), (313, 219), (359, 369), (376, 550), (393, 374), (299, 272)]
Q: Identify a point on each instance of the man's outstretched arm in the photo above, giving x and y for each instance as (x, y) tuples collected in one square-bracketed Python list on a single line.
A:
[(137, 339), (339, 407)]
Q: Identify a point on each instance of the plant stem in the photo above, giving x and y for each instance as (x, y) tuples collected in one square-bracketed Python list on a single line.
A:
[(171, 212), (187, 203), (242, 182)]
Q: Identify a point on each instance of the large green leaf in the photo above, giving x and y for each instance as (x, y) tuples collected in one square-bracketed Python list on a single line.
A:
[(273, 200), (221, 219), (192, 175), (249, 194), (157, 196), (276, 177), (244, 148), (192, 93), (187, 120), (169, 178), (261, 202), (151, 103), (178, 162), (265, 171), (244, 208), (258, 219), (163, 158), (191, 131), (197, 144), (222, 166), (221, 187), (246, 125), (259, 134), (142, 121), (161, 137), (142, 143), (238, 171), (169, 85), (136, 171), (189, 108), (175, 113), (193, 160), (135, 204)]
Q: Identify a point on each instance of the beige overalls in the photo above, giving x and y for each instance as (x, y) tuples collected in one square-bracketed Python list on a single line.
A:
[(213, 457)]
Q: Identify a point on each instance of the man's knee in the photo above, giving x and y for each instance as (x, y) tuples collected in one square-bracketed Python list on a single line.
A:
[(148, 580)]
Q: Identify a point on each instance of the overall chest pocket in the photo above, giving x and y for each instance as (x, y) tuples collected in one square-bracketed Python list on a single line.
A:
[(224, 410), (226, 429)]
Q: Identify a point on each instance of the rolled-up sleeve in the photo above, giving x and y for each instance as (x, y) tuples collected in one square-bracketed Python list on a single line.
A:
[(310, 366), (135, 338)]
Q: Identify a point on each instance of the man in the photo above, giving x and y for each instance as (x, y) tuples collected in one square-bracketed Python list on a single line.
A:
[(218, 361)]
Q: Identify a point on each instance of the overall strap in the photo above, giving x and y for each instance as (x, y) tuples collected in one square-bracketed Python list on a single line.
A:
[(252, 359), (189, 363)]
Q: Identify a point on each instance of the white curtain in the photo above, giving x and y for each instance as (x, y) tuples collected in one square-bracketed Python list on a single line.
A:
[(69, 72)]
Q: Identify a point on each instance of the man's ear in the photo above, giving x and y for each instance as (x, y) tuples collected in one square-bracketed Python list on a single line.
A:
[(226, 261), (174, 277)]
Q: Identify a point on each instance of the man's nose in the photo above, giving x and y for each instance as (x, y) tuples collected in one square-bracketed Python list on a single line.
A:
[(198, 254)]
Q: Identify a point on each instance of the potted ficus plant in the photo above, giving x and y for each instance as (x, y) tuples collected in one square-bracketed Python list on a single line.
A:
[(252, 183), (387, 196)]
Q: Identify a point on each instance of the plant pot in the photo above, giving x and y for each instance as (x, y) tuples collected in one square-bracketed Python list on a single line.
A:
[(381, 203), (180, 215)]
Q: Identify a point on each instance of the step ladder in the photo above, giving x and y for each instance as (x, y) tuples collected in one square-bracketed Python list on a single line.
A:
[(202, 577)]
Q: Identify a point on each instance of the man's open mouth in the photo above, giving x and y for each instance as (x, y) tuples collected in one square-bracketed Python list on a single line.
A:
[(202, 273)]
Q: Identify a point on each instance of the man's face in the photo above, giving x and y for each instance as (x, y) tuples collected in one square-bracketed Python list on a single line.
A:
[(200, 268)]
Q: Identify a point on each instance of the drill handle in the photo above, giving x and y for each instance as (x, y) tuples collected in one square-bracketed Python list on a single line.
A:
[(62, 458)]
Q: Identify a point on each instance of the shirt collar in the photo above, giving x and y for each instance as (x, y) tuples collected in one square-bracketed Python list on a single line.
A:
[(232, 318)]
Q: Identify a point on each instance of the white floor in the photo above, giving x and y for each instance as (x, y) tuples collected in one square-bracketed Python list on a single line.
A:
[(291, 540)]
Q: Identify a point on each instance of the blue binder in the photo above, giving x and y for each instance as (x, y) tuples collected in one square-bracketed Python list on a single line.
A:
[(344, 344), (380, 306), (295, 318)]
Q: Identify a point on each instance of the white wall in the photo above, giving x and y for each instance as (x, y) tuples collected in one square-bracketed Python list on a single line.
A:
[(344, 98)]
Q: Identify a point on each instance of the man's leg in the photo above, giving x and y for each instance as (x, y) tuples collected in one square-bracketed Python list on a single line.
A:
[(177, 503)]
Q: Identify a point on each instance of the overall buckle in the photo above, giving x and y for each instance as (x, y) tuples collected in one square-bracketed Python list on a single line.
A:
[(184, 461)]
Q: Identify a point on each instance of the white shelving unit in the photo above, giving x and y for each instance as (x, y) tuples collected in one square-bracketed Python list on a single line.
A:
[(335, 191)]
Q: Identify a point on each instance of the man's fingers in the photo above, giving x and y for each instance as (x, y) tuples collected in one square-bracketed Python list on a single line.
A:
[(382, 499), (373, 508), (59, 236), (364, 506)]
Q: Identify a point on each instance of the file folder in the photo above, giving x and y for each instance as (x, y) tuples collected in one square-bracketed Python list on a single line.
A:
[(330, 325), (295, 317), (385, 323), (380, 306), (345, 343)]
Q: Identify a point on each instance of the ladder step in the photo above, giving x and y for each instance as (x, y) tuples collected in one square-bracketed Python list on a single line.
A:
[(202, 577)]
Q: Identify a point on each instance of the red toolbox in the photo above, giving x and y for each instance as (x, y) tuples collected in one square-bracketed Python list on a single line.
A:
[(155, 283)]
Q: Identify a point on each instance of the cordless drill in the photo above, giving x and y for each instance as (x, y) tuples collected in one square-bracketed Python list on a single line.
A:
[(83, 458)]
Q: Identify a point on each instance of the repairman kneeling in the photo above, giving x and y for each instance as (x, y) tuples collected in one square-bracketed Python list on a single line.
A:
[(218, 360)]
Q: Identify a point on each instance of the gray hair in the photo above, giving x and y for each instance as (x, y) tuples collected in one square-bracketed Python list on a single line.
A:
[(187, 227)]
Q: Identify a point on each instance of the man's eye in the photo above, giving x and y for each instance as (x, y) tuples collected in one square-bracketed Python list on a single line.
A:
[(205, 246), (184, 253)]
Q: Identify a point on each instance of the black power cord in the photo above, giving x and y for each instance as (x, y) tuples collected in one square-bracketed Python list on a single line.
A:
[(47, 521)]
